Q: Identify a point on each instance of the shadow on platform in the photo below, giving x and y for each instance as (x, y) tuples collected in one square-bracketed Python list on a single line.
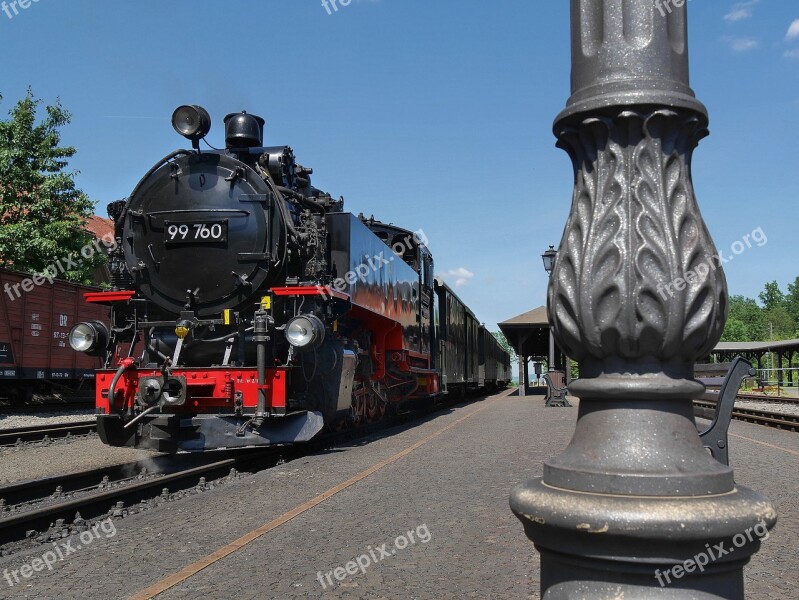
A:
[(532, 391)]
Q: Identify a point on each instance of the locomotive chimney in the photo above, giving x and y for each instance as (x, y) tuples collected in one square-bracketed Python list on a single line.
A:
[(244, 131)]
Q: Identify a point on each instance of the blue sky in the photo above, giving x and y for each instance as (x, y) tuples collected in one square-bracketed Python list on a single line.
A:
[(431, 115)]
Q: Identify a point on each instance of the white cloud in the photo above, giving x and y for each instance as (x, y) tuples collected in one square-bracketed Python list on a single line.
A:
[(793, 31), (460, 275), (740, 44), (792, 53), (741, 11)]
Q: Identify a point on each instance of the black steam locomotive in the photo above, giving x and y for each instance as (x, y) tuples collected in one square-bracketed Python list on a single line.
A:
[(249, 309)]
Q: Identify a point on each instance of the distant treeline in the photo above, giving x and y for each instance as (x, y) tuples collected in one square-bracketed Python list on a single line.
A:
[(775, 317)]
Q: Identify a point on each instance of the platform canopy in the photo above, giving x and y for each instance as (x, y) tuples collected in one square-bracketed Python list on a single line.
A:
[(528, 333), (773, 346), (755, 351)]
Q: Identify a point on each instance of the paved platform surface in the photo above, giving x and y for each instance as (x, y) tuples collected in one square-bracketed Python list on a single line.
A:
[(434, 520)]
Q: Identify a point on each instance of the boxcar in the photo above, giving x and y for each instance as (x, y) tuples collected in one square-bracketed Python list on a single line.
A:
[(458, 333), (494, 362), (35, 319)]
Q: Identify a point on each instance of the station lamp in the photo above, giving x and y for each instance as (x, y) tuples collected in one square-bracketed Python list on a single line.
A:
[(549, 259)]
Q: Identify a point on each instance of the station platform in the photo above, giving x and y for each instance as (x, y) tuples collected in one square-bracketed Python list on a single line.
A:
[(427, 504)]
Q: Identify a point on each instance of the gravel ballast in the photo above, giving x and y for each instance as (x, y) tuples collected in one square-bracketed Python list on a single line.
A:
[(62, 457), (775, 406), (12, 421)]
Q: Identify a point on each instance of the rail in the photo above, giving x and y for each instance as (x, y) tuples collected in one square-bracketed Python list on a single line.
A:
[(38, 433)]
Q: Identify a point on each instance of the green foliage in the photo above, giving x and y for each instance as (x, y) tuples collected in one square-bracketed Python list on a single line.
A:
[(777, 319), (772, 297), (575, 370), (746, 321), (505, 345), (736, 331), (779, 323), (42, 213), (792, 301)]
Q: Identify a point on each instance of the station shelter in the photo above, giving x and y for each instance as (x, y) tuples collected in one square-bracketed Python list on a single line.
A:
[(530, 336)]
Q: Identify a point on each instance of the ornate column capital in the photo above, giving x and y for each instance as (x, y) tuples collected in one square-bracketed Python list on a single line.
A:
[(637, 296)]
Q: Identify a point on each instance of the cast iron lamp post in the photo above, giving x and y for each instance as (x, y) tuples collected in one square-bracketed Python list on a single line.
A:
[(635, 507), (549, 264)]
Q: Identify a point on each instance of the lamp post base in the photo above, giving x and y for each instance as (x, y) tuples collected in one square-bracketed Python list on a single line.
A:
[(604, 546)]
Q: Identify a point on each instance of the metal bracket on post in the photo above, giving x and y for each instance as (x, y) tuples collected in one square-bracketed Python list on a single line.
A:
[(715, 436)]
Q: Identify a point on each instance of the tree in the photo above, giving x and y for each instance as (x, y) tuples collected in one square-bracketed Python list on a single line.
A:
[(735, 331), (772, 297), (505, 344), (792, 300), (746, 321), (42, 213), (780, 324)]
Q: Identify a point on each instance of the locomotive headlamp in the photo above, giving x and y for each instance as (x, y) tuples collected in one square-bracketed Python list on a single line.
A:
[(305, 332), (191, 121), (90, 337)]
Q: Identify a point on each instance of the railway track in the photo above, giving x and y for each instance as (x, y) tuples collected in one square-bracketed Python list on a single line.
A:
[(49, 508), (61, 504), (766, 398), (38, 433), (26, 409), (706, 409)]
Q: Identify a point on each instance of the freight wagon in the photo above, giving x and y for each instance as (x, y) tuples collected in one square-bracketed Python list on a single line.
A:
[(36, 360)]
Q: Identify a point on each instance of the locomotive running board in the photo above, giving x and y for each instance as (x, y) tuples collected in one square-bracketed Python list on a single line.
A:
[(172, 433)]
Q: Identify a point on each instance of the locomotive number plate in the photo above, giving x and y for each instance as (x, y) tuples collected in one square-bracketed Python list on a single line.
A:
[(192, 232)]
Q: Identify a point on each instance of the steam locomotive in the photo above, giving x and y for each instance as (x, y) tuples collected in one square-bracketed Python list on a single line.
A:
[(249, 309)]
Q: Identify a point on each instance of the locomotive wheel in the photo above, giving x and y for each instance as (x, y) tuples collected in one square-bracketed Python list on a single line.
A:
[(375, 405), (367, 404), (359, 400)]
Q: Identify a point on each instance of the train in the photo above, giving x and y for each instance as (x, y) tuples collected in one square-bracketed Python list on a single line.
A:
[(250, 309), (37, 364)]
